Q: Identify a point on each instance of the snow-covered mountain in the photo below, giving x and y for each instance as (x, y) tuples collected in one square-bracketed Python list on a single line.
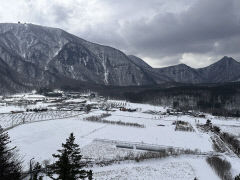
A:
[(181, 73), (141, 63), (35, 56), (43, 55), (8, 82), (225, 70)]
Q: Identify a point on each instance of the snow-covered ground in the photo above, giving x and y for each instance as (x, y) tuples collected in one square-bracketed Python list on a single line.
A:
[(235, 130), (8, 109), (180, 168), (41, 139)]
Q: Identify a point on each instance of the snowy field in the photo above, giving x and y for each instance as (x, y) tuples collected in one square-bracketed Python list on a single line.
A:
[(40, 138), (181, 168), (8, 109), (235, 130)]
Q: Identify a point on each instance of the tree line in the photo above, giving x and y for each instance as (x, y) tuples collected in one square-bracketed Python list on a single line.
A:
[(222, 100)]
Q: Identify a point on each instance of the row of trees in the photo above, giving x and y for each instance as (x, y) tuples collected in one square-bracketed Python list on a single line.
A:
[(68, 164), (221, 167), (230, 139)]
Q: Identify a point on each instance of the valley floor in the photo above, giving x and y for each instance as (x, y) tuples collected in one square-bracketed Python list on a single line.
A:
[(100, 141)]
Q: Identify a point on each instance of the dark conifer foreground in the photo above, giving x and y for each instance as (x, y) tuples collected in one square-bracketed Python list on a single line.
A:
[(68, 165), (237, 177), (10, 166)]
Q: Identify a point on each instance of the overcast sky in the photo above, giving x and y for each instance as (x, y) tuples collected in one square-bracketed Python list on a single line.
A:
[(162, 32)]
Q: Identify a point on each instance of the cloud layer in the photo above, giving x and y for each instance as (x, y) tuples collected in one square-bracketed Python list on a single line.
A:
[(195, 32)]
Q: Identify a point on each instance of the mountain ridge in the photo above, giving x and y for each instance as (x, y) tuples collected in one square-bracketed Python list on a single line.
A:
[(39, 56), (64, 54), (225, 70)]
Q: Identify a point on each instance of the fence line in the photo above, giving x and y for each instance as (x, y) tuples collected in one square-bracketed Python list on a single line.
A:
[(41, 120)]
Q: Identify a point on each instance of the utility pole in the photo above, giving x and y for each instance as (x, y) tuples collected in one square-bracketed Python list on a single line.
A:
[(31, 174)]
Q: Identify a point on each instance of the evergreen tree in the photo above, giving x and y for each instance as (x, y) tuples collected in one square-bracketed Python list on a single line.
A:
[(237, 177), (10, 166), (88, 108), (90, 174), (68, 165), (36, 171)]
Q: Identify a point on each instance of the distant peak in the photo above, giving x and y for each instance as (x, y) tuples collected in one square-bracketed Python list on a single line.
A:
[(227, 59), (182, 65)]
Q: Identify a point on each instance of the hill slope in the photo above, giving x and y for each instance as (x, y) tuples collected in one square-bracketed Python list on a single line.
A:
[(33, 56), (41, 54), (225, 70)]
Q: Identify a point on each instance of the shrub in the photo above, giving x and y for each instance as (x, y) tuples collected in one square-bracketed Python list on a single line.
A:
[(183, 126), (216, 129), (101, 120)]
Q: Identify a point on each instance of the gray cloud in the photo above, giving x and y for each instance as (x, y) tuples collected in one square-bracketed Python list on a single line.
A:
[(61, 13), (160, 31), (209, 27)]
